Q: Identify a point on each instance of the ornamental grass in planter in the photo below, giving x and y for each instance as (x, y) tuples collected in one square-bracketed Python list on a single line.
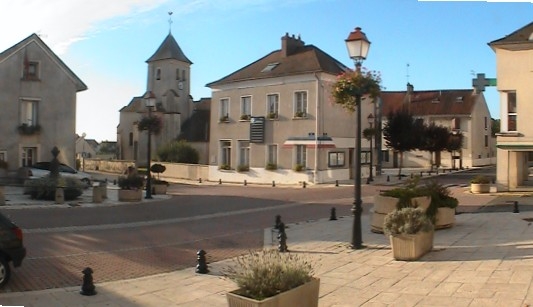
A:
[(410, 232), (480, 184), (271, 278)]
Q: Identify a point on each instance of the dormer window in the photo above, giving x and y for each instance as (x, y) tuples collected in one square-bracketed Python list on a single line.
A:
[(459, 99)]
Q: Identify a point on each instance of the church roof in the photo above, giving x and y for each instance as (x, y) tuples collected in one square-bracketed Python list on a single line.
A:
[(169, 49)]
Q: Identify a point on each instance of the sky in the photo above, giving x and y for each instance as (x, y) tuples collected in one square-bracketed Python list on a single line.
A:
[(430, 44)]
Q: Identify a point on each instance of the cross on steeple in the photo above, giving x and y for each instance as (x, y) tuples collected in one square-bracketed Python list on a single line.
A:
[(481, 82), (170, 22)]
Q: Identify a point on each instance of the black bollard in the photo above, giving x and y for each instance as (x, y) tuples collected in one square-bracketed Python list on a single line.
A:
[(368, 180), (273, 183), (282, 239), (304, 184), (421, 174), (219, 181), (333, 215), (201, 267), (199, 180), (87, 288), (277, 221), (515, 207), (245, 183), (388, 178), (437, 171), (336, 183)]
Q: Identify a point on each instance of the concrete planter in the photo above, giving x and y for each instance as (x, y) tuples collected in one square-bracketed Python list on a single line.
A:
[(480, 188), (384, 205), (130, 195), (411, 247), (445, 218), (159, 189), (305, 295)]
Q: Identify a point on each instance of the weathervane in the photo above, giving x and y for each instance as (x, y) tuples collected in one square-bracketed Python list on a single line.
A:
[(170, 22), (407, 72)]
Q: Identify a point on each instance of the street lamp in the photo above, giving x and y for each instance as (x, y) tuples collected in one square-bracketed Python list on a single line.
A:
[(149, 101), (371, 123), (358, 46)]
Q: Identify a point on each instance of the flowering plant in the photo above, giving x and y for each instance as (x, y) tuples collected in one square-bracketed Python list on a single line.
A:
[(353, 83), (152, 123)]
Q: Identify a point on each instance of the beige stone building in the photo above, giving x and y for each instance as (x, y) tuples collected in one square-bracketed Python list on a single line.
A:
[(514, 66), (169, 77), (462, 111), (38, 101), (276, 115)]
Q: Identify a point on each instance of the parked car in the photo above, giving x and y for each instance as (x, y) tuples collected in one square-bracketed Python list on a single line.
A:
[(41, 169), (12, 249)]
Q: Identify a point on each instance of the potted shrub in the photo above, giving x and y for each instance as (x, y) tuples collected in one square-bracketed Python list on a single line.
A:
[(243, 168), (410, 232), (44, 188), (271, 278), (299, 114), (272, 115), (245, 117), (130, 186), (158, 186), (224, 119), (480, 184), (271, 167), (299, 168), (441, 209)]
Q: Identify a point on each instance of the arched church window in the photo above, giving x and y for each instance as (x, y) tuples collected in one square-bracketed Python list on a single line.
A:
[(177, 73)]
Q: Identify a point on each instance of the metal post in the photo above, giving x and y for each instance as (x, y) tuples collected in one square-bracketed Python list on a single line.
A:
[(357, 239), (370, 177), (149, 177)]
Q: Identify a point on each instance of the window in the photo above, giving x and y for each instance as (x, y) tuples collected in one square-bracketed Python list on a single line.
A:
[(365, 157), (272, 154), (456, 123), (272, 105), (511, 111), (486, 141), (158, 74), (300, 104), (244, 153), (486, 123), (177, 73), (385, 155), (269, 67), (224, 109), (29, 155), (336, 159), (131, 139), (31, 70), (246, 107), (183, 75), (301, 155), (225, 153), (28, 112), (3, 156)]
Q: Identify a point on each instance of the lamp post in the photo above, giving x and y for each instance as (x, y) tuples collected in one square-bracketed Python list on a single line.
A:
[(358, 46), (149, 101), (371, 123)]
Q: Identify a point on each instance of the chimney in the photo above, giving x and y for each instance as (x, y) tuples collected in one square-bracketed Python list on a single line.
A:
[(290, 44), (410, 88)]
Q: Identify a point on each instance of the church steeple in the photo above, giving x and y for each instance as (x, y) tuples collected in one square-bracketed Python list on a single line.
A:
[(169, 49)]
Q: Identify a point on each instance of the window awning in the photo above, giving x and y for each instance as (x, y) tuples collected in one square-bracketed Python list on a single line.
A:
[(310, 141)]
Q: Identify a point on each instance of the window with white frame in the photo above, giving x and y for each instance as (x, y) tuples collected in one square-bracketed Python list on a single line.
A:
[(272, 154), (244, 153), (511, 111), (336, 159), (29, 156), (272, 105), (3, 155), (246, 107), (300, 155), (224, 109), (28, 112), (225, 154), (300, 104)]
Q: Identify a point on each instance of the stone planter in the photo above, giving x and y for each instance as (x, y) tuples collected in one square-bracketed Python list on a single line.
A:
[(305, 295), (411, 247), (480, 188), (130, 195), (159, 189), (445, 218), (384, 205)]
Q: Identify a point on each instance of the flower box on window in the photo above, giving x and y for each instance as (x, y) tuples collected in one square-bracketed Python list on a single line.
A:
[(29, 129), (225, 167), (300, 114), (245, 117), (243, 168), (272, 115), (224, 119)]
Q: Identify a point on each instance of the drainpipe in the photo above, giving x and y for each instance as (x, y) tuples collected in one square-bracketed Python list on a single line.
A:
[(317, 127)]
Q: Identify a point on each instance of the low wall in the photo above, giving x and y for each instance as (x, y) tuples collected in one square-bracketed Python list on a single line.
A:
[(108, 166)]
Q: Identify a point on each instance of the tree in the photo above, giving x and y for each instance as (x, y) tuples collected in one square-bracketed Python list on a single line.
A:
[(495, 126), (179, 152), (455, 143), (434, 139), (401, 133)]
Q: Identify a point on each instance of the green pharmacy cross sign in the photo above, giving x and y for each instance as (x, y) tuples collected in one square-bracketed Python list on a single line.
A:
[(481, 82)]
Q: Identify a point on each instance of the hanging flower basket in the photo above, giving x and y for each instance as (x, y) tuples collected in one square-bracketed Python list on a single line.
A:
[(152, 123), (352, 84)]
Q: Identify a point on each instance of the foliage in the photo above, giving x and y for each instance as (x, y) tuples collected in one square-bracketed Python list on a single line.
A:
[(299, 114), (29, 129), (158, 168), (245, 117), (434, 139), (243, 168), (178, 152), (440, 198), (405, 193), (224, 118), (225, 167), (152, 123), (369, 133), (354, 83), (3, 164), (272, 115), (480, 179), (271, 167), (266, 273), (495, 126), (401, 133), (299, 167), (45, 188), (455, 142), (407, 221), (130, 182), (107, 147)]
